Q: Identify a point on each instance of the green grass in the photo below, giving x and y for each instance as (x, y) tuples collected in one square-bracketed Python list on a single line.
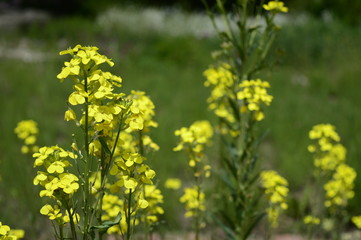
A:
[(317, 81)]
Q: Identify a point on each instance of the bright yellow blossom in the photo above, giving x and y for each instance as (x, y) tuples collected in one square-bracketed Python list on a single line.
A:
[(328, 152), (340, 188), (276, 190), (10, 234), (357, 221), (311, 220), (27, 130), (275, 6), (220, 80), (254, 93), (173, 183), (193, 198)]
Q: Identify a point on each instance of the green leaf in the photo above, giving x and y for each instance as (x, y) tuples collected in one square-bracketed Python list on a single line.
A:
[(227, 227), (104, 145), (253, 225), (107, 224)]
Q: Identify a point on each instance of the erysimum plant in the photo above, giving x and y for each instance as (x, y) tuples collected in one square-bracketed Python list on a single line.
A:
[(102, 185), (238, 97), (193, 141), (333, 184)]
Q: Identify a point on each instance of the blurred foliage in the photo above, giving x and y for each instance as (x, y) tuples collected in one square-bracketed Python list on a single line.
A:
[(347, 11)]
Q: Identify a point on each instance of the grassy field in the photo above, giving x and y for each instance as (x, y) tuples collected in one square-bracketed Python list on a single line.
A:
[(315, 80)]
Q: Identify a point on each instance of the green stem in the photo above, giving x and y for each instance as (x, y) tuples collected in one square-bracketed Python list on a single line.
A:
[(128, 215), (72, 225), (197, 220), (61, 232), (86, 193), (71, 220)]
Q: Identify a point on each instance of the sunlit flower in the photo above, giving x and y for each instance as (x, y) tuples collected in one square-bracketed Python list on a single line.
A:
[(275, 6)]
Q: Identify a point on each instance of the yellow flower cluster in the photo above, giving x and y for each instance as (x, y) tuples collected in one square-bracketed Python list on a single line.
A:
[(113, 206), (193, 198), (94, 88), (340, 188), (250, 94), (275, 6), (27, 130), (327, 149), (10, 234), (142, 110), (276, 190), (133, 176), (55, 213), (254, 93), (139, 121), (131, 172), (221, 80), (58, 183), (311, 220), (193, 140), (154, 198)]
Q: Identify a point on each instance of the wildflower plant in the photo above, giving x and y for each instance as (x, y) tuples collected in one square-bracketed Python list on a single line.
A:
[(238, 98), (276, 190), (333, 182), (102, 185), (193, 141)]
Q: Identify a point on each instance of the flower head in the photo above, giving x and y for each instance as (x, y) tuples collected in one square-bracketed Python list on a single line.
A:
[(275, 6), (276, 190)]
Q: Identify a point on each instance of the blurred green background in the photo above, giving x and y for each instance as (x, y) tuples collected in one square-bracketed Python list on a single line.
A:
[(162, 47)]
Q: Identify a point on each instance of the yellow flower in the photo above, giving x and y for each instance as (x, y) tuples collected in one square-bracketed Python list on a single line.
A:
[(328, 152), (53, 213), (220, 79), (193, 198), (253, 93), (173, 183), (70, 115), (357, 221), (4, 229), (311, 220), (76, 217), (10, 234), (276, 190), (194, 137), (16, 234), (276, 6), (27, 130), (340, 188)]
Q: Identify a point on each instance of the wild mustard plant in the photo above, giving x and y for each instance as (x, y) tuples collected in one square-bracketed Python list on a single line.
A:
[(6, 233), (334, 182), (105, 167), (238, 98), (276, 190), (192, 141)]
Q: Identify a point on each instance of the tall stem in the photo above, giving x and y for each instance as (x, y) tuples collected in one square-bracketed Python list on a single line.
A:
[(86, 193), (128, 215), (61, 232), (197, 220)]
